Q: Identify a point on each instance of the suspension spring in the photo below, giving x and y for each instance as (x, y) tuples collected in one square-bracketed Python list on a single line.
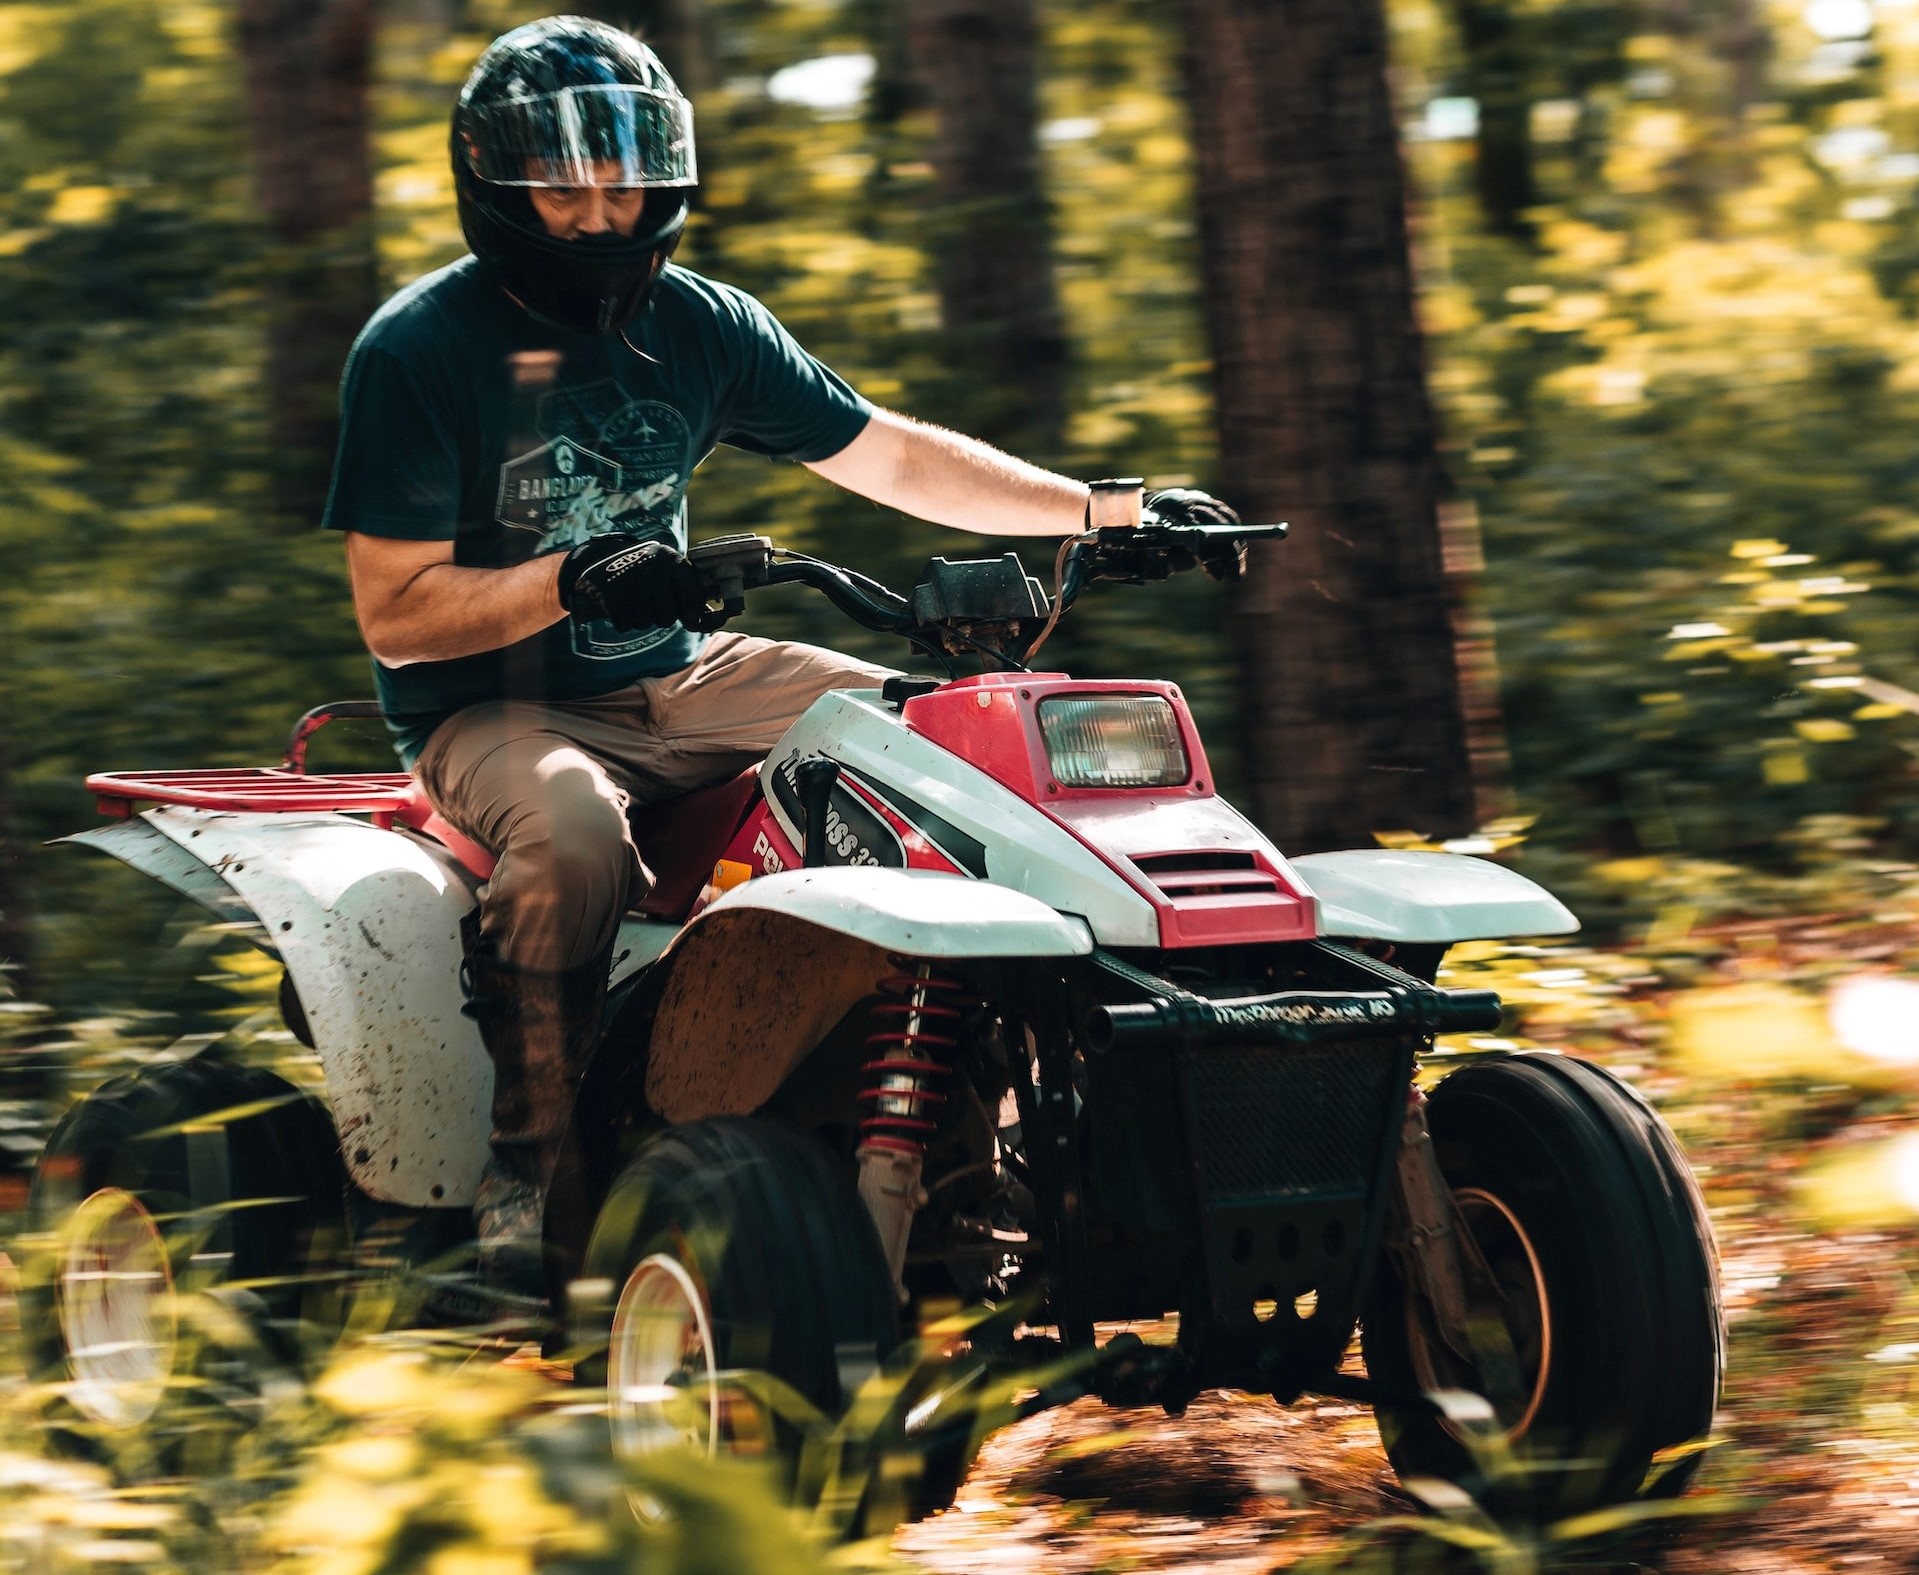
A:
[(911, 1058)]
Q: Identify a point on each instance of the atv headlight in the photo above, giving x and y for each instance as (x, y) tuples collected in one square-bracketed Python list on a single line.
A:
[(1112, 741)]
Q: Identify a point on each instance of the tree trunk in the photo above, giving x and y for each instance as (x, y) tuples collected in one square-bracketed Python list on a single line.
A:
[(13, 882), (308, 65), (1495, 54), (991, 232), (1354, 719)]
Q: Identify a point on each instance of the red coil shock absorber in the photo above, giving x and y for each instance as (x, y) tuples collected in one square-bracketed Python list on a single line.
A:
[(911, 1047)]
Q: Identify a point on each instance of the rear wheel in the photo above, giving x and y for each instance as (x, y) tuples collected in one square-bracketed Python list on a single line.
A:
[(1586, 1213), (180, 1216), (725, 1247)]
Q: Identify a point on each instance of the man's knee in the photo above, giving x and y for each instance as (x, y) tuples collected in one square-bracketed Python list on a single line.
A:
[(584, 852), (567, 866)]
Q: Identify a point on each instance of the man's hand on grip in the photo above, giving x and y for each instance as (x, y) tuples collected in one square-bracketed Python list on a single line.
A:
[(1188, 506), (632, 584)]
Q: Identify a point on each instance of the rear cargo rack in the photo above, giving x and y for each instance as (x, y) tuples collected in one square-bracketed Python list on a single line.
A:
[(285, 788), (383, 795)]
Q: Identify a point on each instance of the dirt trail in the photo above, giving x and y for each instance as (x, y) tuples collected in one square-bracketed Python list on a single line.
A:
[(1239, 1486), (1234, 1487)]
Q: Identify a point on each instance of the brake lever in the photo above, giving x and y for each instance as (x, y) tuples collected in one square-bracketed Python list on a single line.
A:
[(728, 567)]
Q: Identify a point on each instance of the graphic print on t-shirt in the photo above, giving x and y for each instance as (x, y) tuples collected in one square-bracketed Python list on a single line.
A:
[(554, 489), (610, 465)]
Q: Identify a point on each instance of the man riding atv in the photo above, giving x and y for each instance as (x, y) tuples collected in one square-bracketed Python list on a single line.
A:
[(517, 434)]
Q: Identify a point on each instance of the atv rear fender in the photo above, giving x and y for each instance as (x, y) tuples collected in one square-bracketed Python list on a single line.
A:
[(758, 979), (1427, 898), (367, 923)]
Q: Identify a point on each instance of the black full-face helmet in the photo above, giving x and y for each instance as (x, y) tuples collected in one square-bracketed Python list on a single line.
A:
[(571, 102)]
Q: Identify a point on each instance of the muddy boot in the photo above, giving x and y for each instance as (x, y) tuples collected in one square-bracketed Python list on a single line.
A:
[(539, 1030)]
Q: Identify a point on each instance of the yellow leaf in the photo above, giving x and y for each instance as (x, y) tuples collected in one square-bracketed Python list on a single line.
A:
[(1671, 925), (1786, 768), (82, 205), (1823, 729), (508, 1507), (25, 30), (473, 1558), (365, 1385), (376, 1459), (1757, 549), (1865, 1185), (1630, 872), (338, 1513), (1753, 1029)]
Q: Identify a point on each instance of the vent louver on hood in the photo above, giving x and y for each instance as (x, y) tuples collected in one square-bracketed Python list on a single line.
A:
[(1177, 875)]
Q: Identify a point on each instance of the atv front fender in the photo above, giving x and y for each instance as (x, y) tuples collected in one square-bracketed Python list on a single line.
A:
[(757, 980), (1388, 894), (367, 922)]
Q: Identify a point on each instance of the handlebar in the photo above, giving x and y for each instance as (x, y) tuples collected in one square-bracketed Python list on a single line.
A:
[(865, 601), (991, 608), (730, 566)]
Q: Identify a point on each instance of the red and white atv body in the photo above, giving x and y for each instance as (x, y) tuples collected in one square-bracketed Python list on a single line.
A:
[(946, 836)]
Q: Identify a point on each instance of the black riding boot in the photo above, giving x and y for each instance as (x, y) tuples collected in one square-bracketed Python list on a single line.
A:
[(539, 1030)]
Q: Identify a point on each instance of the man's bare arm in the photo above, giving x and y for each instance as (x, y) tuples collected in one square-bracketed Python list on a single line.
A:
[(416, 605), (954, 480)]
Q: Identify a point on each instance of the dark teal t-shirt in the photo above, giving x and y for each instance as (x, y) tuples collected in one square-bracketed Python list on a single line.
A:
[(465, 419)]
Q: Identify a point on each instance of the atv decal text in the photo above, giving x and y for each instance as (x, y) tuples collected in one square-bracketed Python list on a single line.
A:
[(855, 834), (770, 861), (1295, 1014)]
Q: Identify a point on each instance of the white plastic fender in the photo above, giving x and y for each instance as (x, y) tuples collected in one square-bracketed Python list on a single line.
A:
[(919, 913), (368, 924), (1424, 898), (758, 979)]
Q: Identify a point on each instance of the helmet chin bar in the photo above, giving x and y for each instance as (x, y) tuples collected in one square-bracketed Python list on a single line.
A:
[(595, 286)]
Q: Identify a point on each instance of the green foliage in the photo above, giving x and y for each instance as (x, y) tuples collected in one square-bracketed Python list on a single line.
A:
[(148, 616), (1707, 349)]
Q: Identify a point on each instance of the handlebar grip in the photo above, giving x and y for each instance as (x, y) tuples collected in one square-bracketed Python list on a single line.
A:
[(1466, 1012)]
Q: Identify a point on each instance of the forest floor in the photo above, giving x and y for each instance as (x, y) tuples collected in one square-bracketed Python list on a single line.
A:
[(1240, 1486)]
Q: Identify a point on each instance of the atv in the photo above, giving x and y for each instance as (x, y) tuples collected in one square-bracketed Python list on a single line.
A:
[(975, 995)]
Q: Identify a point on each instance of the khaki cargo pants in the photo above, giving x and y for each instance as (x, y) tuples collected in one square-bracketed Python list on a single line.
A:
[(546, 787)]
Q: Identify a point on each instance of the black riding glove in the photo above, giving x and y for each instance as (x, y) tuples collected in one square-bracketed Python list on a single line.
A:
[(1225, 560), (631, 584), (1189, 506)]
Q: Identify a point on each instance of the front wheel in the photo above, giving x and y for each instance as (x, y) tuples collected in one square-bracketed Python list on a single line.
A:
[(1589, 1219), (729, 1249)]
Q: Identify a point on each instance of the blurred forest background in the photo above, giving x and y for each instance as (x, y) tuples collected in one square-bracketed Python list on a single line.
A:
[(1666, 258)]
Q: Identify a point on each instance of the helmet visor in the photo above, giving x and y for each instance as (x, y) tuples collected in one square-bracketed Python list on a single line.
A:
[(584, 136)]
